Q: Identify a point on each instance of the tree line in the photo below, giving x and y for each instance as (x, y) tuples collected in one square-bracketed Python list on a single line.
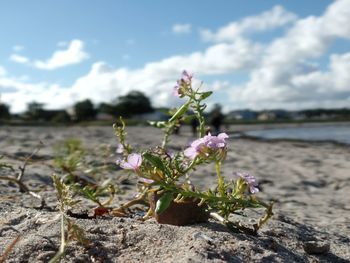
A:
[(133, 103)]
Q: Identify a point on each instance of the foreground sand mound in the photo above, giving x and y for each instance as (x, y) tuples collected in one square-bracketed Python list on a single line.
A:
[(131, 240), (310, 183)]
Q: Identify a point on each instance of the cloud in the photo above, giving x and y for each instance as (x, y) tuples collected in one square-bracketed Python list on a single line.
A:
[(19, 59), (72, 55), (276, 17), (155, 79), (181, 28), (284, 77)]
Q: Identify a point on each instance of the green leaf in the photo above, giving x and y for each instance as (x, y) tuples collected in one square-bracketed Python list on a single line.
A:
[(181, 111), (163, 202), (205, 95), (157, 162)]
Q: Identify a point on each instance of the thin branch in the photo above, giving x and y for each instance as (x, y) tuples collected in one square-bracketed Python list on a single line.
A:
[(9, 249), (27, 159), (18, 180), (25, 189)]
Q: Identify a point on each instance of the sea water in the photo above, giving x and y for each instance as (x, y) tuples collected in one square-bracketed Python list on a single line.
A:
[(339, 133)]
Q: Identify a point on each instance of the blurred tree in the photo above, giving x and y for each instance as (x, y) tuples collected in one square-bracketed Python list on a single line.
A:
[(59, 116), (106, 108), (4, 111), (84, 110), (35, 110), (135, 102)]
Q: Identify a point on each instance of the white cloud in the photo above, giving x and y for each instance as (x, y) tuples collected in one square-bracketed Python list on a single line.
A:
[(72, 55), (155, 79), (276, 17), (19, 59), (182, 28), (285, 79)]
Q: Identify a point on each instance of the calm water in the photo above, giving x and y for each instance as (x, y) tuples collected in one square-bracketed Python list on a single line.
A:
[(335, 133)]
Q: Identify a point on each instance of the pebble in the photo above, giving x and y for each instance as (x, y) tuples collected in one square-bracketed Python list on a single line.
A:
[(200, 235), (316, 247)]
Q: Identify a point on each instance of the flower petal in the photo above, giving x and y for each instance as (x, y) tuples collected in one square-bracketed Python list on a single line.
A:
[(135, 160), (222, 136), (191, 153), (253, 189), (126, 165)]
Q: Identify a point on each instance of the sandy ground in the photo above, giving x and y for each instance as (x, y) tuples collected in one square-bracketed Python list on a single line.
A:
[(310, 183)]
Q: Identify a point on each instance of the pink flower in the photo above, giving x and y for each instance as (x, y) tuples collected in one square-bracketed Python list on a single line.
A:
[(133, 162), (187, 77), (249, 180), (206, 146), (176, 91), (183, 84)]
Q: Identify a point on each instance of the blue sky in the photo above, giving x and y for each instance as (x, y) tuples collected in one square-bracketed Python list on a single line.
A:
[(255, 54)]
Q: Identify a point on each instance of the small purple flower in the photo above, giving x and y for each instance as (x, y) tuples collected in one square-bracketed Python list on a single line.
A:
[(176, 91), (191, 152), (187, 77), (249, 180), (206, 146), (133, 162), (183, 84)]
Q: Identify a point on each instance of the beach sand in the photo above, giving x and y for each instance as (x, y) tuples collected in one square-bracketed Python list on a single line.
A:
[(309, 182)]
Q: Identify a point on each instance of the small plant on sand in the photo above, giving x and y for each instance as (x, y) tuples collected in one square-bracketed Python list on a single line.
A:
[(77, 173), (69, 157), (17, 177), (74, 232), (165, 176)]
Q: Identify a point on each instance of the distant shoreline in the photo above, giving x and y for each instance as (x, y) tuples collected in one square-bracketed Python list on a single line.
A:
[(242, 133), (239, 127)]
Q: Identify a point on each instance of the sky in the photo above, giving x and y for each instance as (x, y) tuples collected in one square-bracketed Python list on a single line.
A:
[(254, 54)]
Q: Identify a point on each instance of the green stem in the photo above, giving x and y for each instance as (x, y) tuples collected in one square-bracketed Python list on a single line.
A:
[(60, 253), (190, 166), (168, 131), (172, 121), (199, 116), (221, 182)]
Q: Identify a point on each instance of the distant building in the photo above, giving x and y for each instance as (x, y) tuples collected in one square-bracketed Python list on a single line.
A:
[(266, 116), (274, 115), (242, 115)]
